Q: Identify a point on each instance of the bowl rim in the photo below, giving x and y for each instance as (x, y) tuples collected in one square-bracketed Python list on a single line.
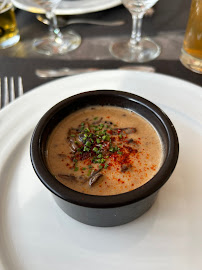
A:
[(97, 201)]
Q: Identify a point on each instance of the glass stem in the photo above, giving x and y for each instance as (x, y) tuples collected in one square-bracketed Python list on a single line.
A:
[(136, 30), (53, 27)]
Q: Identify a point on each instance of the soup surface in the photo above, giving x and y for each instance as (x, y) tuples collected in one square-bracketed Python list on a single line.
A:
[(104, 150)]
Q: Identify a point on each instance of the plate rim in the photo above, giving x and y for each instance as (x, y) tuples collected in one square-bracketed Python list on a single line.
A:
[(33, 91), (69, 11), (11, 107)]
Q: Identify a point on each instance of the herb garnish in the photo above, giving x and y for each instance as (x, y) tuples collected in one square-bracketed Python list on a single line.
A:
[(96, 143)]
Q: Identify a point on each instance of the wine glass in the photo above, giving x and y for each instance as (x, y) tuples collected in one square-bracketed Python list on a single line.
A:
[(55, 43), (136, 49)]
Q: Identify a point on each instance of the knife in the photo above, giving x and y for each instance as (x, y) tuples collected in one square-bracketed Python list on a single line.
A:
[(53, 73)]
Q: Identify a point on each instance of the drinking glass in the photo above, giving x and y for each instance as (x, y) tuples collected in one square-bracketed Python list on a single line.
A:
[(55, 43), (9, 34), (191, 54), (137, 49)]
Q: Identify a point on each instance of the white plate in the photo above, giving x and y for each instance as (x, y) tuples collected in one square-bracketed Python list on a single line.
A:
[(71, 7), (36, 235)]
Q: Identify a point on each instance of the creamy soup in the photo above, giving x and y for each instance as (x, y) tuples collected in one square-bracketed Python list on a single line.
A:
[(104, 150)]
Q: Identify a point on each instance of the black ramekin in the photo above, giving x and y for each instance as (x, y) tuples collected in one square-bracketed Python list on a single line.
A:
[(105, 210)]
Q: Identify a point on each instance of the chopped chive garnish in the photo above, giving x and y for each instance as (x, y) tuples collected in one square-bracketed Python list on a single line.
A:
[(95, 149), (89, 173), (96, 143), (100, 167), (88, 143), (108, 138), (87, 130), (86, 149)]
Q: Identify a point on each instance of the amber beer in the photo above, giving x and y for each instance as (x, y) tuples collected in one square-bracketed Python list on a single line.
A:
[(9, 34), (191, 55)]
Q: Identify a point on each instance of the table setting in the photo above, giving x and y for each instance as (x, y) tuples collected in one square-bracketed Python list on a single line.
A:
[(66, 50)]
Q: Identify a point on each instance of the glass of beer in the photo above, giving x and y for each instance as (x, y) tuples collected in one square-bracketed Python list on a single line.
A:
[(191, 54), (9, 34)]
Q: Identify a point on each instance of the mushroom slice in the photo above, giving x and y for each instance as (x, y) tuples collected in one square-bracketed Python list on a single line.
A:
[(94, 177), (130, 141), (68, 177), (83, 179), (97, 121), (129, 130), (73, 145), (72, 132), (81, 137), (72, 138), (124, 168)]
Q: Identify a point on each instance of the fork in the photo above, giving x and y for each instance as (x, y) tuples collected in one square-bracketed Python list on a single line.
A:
[(10, 89), (62, 22)]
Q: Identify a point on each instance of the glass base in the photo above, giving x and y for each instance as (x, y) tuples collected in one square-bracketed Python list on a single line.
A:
[(145, 51), (9, 42), (51, 46), (191, 62)]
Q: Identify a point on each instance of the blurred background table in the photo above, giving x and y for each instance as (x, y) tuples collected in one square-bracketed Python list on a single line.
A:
[(166, 26)]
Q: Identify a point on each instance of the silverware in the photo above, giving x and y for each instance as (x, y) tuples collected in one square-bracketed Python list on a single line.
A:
[(10, 89), (63, 22), (51, 73)]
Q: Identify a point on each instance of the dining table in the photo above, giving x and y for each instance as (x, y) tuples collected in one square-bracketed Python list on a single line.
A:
[(34, 233), (166, 26)]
